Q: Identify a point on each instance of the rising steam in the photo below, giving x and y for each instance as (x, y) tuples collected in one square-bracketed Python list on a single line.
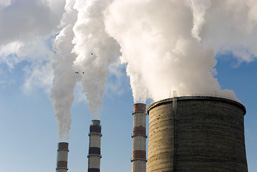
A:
[(171, 45), (95, 50), (167, 45), (64, 77)]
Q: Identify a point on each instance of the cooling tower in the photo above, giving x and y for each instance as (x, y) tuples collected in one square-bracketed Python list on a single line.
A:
[(139, 138), (62, 157), (199, 133), (94, 153)]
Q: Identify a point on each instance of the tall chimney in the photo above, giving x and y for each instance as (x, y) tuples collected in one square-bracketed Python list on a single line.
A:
[(62, 157), (94, 153), (139, 138)]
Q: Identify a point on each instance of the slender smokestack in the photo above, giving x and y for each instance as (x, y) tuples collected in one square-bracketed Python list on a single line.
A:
[(139, 138), (94, 153), (62, 157)]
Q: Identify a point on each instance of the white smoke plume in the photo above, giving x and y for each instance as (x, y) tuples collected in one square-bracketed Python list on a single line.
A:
[(27, 26), (167, 45), (199, 8), (25, 30), (64, 76), (171, 45), (25, 20), (95, 50)]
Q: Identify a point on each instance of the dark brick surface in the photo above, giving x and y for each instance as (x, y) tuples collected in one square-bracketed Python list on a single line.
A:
[(139, 107), (139, 130), (63, 146), (93, 170), (96, 129), (94, 150), (139, 154), (62, 164)]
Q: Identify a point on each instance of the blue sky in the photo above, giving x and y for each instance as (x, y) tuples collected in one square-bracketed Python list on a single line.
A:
[(28, 128), (243, 81), (29, 133)]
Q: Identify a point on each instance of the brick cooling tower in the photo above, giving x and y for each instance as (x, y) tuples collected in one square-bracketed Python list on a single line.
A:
[(196, 133)]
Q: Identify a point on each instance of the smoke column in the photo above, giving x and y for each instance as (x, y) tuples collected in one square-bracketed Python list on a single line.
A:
[(95, 51), (26, 27), (171, 45), (64, 76)]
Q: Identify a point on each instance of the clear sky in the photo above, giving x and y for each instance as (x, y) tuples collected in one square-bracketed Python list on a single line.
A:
[(28, 128)]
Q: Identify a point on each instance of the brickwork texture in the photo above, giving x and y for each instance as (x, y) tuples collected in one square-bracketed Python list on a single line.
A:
[(199, 134)]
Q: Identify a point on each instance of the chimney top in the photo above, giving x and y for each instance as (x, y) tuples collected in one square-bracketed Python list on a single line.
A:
[(95, 122), (63, 146)]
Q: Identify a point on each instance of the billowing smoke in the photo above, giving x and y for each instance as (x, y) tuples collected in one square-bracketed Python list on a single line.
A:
[(26, 20), (25, 30), (95, 50), (64, 76), (171, 45), (167, 45)]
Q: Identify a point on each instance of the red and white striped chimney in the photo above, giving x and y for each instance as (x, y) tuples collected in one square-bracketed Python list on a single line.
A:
[(62, 157), (139, 138), (94, 153)]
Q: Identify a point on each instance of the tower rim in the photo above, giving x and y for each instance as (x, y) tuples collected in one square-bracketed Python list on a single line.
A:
[(197, 98)]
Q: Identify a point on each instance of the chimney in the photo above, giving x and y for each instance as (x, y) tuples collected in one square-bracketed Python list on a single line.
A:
[(94, 153), (62, 157), (139, 138)]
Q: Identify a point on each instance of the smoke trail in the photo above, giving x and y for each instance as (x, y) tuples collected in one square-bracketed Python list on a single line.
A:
[(26, 20), (95, 50), (231, 27), (199, 8), (25, 28), (171, 45), (64, 76)]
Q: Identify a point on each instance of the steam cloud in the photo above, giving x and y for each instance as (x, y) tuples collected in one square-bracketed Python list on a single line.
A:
[(171, 45), (83, 42), (167, 45), (95, 50), (64, 77)]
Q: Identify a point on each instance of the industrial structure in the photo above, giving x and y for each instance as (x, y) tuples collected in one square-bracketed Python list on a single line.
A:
[(196, 133), (62, 157), (94, 153), (139, 138)]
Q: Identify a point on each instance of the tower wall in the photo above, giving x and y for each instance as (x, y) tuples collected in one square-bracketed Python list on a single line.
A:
[(198, 134)]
